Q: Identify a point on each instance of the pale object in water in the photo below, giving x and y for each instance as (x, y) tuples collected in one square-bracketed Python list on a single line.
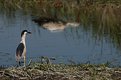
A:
[(58, 26), (54, 24)]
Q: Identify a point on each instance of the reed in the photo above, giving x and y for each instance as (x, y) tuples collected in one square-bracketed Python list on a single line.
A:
[(102, 16)]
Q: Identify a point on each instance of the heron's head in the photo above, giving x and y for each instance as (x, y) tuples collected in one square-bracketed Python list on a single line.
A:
[(24, 32)]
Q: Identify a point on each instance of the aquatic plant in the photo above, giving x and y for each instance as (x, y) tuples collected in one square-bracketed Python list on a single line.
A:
[(101, 17)]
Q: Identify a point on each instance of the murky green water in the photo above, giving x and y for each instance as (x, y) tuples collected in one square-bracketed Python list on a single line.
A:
[(79, 44)]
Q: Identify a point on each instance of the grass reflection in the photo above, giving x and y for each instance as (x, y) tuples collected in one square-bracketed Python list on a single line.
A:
[(102, 17)]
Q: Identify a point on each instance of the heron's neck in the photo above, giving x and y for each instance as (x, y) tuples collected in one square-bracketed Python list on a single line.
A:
[(23, 38)]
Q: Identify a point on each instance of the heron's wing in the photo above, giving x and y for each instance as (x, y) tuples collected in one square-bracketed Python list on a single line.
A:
[(20, 49)]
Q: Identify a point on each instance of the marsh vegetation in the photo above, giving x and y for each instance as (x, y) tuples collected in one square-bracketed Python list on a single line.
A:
[(102, 18), (37, 71)]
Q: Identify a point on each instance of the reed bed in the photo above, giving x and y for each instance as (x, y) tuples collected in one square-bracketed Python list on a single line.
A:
[(102, 17)]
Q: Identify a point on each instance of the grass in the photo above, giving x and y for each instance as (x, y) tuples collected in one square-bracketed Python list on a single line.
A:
[(104, 18), (61, 72), (101, 17)]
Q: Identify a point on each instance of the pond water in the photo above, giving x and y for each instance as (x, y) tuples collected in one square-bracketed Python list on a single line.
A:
[(70, 44)]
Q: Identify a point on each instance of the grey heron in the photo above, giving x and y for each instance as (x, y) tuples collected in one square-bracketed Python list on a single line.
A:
[(21, 49)]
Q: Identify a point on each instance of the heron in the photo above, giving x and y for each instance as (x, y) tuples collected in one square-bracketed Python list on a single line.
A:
[(21, 49)]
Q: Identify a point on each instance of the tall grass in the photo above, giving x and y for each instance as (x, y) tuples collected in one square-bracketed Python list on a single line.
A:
[(103, 16)]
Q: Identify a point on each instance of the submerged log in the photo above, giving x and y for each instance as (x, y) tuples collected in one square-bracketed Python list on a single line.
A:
[(54, 24), (44, 20)]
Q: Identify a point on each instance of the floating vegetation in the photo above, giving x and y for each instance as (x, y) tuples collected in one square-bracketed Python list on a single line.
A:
[(40, 71)]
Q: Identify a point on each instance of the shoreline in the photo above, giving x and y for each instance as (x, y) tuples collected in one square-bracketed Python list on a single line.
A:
[(38, 71)]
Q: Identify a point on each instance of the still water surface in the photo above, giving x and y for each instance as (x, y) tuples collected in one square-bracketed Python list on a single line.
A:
[(70, 44)]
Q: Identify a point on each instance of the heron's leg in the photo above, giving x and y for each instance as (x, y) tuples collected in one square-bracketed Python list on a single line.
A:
[(18, 61), (24, 60)]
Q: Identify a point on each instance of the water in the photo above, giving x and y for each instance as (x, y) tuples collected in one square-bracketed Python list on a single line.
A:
[(70, 44)]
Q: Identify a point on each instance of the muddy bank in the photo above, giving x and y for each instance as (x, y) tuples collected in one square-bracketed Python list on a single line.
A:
[(37, 71)]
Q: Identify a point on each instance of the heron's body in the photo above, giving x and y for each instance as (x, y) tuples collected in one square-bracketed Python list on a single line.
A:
[(21, 49)]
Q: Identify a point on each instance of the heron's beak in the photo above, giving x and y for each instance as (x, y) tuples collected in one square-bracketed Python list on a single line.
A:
[(29, 32)]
